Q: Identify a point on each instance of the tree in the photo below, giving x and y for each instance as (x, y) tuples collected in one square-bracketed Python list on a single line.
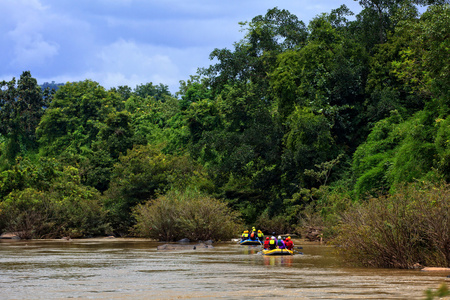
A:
[(254, 57), (423, 64), (307, 142), (22, 105), (326, 76), (193, 90), (115, 137), (45, 199), (142, 174), (159, 92), (379, 17), (73, 118)]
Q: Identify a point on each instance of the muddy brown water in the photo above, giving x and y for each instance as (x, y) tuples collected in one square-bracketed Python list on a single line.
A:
[(134, 269)]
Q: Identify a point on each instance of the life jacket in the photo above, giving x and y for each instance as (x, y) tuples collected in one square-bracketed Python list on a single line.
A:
[(272, 244), (281, 244), (289, 244), (245, 235), (252, 235)]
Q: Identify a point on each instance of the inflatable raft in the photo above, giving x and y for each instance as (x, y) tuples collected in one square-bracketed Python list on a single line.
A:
[(250, 242), (277, 252)]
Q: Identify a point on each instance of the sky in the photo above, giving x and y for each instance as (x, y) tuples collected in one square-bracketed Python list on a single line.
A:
[(129, 42)]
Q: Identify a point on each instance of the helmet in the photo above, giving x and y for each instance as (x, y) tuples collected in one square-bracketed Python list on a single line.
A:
[(273, 238), (288, 238), (253, 228), (245, 231), (267, 238), (279, 237), (259, 230)]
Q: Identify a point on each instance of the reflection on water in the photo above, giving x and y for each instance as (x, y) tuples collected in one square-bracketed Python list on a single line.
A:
[(134, 269), (278, 260)]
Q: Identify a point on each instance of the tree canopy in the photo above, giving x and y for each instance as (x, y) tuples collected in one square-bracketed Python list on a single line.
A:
[(295, 117)]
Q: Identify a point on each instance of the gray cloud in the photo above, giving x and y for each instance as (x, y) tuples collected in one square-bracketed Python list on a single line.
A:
[(127, 42)]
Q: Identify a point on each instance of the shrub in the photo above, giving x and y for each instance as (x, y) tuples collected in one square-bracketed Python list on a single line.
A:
[(189, 214), (24, 212), (143, 173), (412, 225), (65, 208)]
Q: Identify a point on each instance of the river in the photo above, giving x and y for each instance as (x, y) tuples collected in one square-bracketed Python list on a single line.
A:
[(134, 269)]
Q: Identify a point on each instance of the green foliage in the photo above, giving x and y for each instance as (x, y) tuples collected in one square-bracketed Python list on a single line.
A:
[(48, 200), (414, 157), (141, 175), (189, 214), (22, 105), (309, 138), (278, 224), (158, 122), (398, 151), (95, 168), (158, 92), (29, 174), (442, 142), (262, 128), (116, 134), (323, 170), (193, 90), (424, 64), (73, 118), (373, 158), (253, 57), (326, 76)]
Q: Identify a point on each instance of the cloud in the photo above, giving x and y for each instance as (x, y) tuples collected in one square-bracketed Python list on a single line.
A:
[(127, 42), (126, 62), (33, 51), (23, 33), (34, 37)]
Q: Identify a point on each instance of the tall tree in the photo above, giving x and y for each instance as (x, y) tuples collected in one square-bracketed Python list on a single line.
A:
[(380, 17), (149, 90), (22, 105), (255, 56), (73, 118)]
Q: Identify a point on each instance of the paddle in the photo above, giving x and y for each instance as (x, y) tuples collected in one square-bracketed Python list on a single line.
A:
[(296, 251)]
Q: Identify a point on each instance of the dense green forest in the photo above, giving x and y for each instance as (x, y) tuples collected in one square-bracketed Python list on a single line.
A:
[(292, 127)]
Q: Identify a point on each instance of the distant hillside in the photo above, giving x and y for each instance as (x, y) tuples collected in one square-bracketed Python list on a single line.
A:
[(51, 85)]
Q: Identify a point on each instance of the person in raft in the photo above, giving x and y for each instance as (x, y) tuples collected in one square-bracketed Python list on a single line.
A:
[(273, 237), (254, 234), (272, 243), (289, 243), (266, 243), (260, 235), (244, 235), (280, 243)]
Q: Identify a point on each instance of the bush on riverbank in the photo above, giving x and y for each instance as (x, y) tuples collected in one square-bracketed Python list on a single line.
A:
[(190, 214), (410, 226), (47, 200)]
